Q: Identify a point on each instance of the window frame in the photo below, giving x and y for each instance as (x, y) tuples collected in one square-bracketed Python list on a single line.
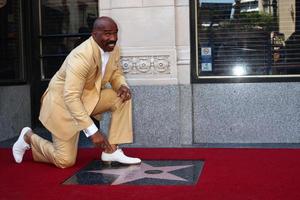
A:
[(197, 78), (21, 79), (41, 37)]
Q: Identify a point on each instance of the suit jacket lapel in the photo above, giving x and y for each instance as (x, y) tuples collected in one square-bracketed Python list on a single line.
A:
[(97, 59)]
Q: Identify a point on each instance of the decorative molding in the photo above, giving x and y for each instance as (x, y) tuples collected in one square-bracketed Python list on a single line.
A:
[(150, 65)]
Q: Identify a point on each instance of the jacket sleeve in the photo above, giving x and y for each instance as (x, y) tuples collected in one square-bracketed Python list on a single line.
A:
[(117, 79), (77, 71)]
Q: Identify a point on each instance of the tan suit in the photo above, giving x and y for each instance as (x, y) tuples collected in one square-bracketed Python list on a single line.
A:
[(76, 92)]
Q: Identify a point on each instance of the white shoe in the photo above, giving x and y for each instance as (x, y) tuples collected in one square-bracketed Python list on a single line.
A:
[(20, 146), (119, 156)]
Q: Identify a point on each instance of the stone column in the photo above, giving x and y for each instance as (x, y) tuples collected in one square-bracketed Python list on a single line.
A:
[(182, 32), (147, 30)]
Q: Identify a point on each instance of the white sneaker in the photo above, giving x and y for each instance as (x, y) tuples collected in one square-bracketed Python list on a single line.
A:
[(20, 146), (119, 156)]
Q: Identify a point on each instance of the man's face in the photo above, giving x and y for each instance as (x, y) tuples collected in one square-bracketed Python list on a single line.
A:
[(107, 36)]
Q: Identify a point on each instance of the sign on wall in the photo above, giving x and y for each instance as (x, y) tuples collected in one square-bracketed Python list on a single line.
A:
[(206, 59)]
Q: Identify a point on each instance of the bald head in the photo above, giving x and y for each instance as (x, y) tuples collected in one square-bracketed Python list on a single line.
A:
[(101, 22), (105, 33)]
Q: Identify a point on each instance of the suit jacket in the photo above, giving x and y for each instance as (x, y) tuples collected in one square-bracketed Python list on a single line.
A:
[(75, 89)]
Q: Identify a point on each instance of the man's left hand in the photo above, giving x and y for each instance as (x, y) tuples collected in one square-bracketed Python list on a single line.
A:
[(124, 93)]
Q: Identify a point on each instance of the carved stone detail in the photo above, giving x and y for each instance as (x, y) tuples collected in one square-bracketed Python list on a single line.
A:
[(146, 64)]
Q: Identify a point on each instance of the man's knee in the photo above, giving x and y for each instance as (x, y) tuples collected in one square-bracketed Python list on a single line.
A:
[(115, 101), (120, 105), (109, 93), (64, 162)]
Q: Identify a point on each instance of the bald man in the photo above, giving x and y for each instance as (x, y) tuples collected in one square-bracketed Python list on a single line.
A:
[(77, 92)]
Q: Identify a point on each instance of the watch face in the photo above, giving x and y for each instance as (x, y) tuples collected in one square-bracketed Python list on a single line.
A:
[(2, 3)]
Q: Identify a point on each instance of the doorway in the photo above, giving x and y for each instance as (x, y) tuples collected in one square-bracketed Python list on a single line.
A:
[(58, 27)]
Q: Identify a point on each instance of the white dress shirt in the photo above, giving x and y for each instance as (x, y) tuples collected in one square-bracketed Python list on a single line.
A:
[(92, 129)]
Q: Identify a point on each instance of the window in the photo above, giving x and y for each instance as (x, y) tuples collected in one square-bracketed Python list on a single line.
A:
[(64, 24), (245, 38), (11, 55)]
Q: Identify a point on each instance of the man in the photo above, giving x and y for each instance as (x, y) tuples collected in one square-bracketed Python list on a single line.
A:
[(78, 92)]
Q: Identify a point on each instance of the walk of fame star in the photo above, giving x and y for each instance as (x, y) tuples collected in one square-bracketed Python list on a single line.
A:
[(149, 172), (136, 172)]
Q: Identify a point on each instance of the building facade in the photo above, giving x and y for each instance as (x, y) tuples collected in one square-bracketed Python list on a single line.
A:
[(182, 61)]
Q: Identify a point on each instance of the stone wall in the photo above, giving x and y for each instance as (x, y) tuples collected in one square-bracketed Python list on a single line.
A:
[(162, 116), (246, 113), (210, 114), (15, 110)]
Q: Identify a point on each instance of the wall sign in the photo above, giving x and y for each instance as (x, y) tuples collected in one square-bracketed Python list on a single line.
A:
[(206, 59)]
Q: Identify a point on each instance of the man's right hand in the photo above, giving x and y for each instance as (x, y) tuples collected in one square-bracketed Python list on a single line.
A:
[(99, 140)]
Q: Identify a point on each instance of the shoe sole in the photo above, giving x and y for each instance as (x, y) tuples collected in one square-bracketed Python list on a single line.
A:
[(114, 163)]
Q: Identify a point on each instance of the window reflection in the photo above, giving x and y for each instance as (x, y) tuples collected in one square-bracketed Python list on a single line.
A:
[(10, 41), (64, 25), (68, 16), (248, 37)]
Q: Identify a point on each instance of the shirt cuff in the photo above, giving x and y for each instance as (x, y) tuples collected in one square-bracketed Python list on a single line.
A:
[(91, 130)]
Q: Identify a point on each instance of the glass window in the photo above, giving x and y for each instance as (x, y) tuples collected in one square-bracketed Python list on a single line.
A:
[(11, 64), (251, 38), (64, 24)]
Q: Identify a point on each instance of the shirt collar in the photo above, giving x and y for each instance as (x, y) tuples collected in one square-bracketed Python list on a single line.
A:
[(102, 52)]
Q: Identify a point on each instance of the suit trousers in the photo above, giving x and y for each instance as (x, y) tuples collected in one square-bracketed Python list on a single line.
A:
[(63, 153)]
